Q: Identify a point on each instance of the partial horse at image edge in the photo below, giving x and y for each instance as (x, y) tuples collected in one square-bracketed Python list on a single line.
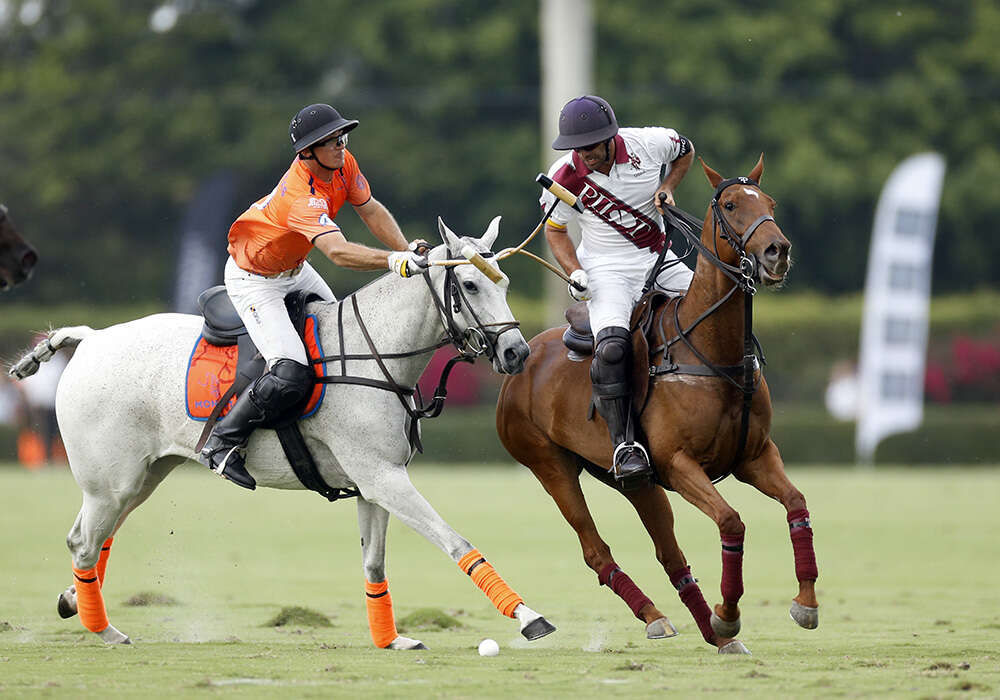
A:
[(17, 257), (693, 418)]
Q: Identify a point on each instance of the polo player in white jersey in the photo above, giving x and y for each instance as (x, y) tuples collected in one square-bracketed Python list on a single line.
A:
[(616, 174)]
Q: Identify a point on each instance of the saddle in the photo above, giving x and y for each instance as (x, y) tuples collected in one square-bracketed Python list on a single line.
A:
[(225, 342), (224, 336), (579, 339)]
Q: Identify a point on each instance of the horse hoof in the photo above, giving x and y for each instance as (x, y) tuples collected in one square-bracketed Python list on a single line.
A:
[(660, 629), (724, 628), (66, 604), (112, 636), (537, 629), (803, 616), (405, 643), (735, 647)]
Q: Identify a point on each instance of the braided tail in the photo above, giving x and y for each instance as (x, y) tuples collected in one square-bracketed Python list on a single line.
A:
[(68, 337)]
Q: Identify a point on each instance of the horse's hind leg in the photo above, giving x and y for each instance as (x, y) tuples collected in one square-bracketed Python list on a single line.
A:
[(654, 510), (67, 604), (389, 486), (93, 527), (562, 483), (767, 475), (372, 522)]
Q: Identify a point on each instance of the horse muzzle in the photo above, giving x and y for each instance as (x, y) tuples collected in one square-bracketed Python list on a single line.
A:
[(510, 357), (774, 263), (18, 272)]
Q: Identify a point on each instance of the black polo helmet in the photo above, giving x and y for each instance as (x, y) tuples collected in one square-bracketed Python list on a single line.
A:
[(585, 121), (314, 123)]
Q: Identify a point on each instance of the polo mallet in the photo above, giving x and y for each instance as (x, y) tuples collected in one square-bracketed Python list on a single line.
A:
[(473, 257)]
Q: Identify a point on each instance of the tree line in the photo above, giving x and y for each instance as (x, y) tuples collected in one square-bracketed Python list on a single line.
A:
[(111, 121)]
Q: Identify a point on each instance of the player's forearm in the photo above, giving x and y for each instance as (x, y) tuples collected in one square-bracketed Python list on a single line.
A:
[(384, 227), (678, 169), (353, 256), (562, 248)]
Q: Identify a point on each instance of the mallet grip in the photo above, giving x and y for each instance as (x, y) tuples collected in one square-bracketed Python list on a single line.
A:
[(559, 191), (470, 254)]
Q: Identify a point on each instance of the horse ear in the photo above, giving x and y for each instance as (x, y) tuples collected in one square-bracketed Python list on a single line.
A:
[(713, 177), (492, 231), (448, 236), (757, 169)]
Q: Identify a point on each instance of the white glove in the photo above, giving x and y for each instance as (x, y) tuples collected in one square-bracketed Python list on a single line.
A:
[(417, 244), (407, 264), (581, 289)]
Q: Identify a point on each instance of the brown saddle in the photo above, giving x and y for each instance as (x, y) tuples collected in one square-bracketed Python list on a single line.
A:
[(579, 338)]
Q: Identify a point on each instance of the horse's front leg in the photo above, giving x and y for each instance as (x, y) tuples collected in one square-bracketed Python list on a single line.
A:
[(687, 478), (389, 486), (767, 475), (373, 521)]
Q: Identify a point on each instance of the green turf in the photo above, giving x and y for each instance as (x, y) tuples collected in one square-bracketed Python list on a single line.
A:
[(909, 562)]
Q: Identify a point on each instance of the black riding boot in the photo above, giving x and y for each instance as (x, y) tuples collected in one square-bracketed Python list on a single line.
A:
[(225, 451), (610, 374), (284, 386)]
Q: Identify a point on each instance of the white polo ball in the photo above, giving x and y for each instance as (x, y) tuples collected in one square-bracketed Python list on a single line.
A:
[(488, 647)]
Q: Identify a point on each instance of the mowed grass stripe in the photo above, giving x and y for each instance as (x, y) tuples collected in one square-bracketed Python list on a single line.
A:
[(908, 562)]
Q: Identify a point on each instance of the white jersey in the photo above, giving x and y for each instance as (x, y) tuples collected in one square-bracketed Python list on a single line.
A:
[(622, 233), (619, 224)]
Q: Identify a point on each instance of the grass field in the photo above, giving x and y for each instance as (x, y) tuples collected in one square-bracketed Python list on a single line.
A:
[(909, 562)]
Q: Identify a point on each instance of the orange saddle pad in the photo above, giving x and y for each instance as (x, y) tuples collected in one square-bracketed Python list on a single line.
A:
[(212, 370)]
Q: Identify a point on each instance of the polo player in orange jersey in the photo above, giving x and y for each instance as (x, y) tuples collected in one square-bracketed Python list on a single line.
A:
[(268, 245)]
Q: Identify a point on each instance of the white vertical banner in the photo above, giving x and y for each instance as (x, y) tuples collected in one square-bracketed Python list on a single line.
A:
[(896, 304)]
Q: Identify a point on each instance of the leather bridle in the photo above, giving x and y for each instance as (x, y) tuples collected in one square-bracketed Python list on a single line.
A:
[(742, 375), (478, 339)]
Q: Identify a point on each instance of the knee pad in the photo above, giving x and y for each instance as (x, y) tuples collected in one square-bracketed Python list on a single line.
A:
[(611, 356), (285, 385)]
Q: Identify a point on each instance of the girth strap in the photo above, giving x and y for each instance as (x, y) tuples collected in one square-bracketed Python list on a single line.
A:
[(304, 466)]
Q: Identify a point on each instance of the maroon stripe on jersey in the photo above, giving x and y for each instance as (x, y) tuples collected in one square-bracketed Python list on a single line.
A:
[(621, 153), (635, 226)]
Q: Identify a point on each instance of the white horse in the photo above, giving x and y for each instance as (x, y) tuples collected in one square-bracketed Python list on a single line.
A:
[(121, 410)]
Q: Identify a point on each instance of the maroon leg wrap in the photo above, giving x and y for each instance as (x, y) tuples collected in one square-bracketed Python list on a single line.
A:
[(690, 593), (802, 545), (618, 581), (732, 568)]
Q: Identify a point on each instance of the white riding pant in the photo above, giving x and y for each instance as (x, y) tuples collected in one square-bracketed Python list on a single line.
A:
[(615, 287), (260, 302)]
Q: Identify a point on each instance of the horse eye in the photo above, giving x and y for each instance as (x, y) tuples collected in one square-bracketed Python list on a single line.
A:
[(470, 287), (729, 205)]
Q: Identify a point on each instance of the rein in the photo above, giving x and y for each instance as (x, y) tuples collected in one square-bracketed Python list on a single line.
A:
[(476, 340), (742, 277)]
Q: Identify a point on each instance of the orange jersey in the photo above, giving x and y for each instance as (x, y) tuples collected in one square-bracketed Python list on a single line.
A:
[(277, 232)]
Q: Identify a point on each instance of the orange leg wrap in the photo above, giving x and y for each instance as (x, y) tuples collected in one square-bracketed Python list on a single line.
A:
[(102, 563), (89, 601), (380, 619), (485, 576)]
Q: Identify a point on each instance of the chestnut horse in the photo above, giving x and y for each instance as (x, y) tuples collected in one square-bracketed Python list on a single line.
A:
[(706, 414), (17, 258)]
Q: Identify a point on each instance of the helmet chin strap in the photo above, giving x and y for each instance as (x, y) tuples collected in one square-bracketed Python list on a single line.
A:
[(607, 152), (314, 157)]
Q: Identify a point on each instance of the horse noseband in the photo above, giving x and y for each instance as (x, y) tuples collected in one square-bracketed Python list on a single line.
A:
[(734, 239)]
